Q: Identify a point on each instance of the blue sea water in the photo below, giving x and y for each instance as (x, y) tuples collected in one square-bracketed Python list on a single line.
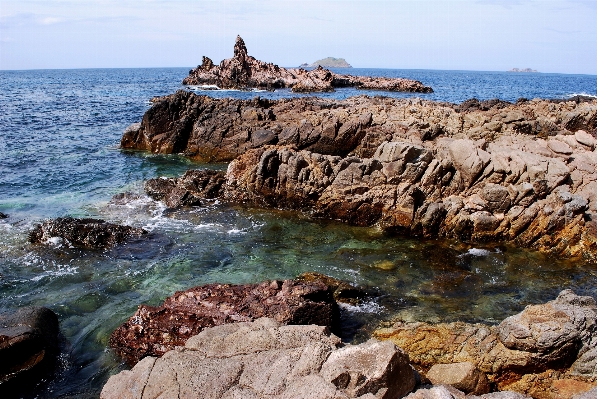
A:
[(59, 155)]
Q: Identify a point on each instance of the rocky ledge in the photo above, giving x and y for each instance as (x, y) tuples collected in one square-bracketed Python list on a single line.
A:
[(245, 72), (152, 331), (479, 171), (264, 359), (83, 233), (548, 351)]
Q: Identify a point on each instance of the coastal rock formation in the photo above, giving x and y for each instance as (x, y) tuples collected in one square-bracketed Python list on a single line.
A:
[(265, 359), (188, 190), (547, 351), (479, 171), (152, 331), (3, 215), (29, 345), (244, 72), (84, 233)]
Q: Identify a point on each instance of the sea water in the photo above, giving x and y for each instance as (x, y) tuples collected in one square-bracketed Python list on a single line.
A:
[(59, 156)]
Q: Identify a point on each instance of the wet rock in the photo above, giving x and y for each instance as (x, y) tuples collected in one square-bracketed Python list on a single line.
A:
[(152, 331), (84, 233), (462, 376), (342, 291), (187, 190), (533, 352), (265, 359), (29, 345), (3, 215), (244, 72), (124, 198)]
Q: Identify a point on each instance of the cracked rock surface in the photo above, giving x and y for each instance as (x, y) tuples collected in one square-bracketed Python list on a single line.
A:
[(264, 359)]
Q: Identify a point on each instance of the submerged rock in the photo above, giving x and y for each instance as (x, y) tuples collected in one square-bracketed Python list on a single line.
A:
[(152, 331), (265, 359), (244, 72), (536, 352), (342, 291), (29, 345), (84, 233), (3, 215)]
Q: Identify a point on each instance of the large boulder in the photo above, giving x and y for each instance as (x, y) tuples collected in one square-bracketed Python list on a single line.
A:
[(84, 233), (265, 359), (29, 345), (152, 331)]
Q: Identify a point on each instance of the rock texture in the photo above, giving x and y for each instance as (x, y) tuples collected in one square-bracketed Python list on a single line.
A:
[(152, 331), (188, 190), (265, 359), (29, 345), (478, 171), (545, 351), (244, 72), (84, 233)]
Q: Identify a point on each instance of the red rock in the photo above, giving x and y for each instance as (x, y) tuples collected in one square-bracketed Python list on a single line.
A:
[(152, 331)]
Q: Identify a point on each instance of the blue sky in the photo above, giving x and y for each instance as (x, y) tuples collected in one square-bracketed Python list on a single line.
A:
[(493, 35)]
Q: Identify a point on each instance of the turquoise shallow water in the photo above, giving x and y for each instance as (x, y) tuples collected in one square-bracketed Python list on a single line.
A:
[(59, 135)]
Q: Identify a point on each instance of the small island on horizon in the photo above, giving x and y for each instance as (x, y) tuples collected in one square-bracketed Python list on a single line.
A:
[(523, 70), (328, 62)]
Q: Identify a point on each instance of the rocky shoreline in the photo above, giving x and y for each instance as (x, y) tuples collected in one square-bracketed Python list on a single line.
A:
[(245, 72), (547, 352), (489, 171)]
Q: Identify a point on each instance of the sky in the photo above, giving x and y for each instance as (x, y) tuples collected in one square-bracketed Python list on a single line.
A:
[(489, 35)]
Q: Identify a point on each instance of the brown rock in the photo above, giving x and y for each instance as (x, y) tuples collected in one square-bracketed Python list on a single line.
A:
[(462, 376), (188, 190), (152, 331)]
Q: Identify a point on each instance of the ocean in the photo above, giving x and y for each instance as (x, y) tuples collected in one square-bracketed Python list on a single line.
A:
[(59, 155)]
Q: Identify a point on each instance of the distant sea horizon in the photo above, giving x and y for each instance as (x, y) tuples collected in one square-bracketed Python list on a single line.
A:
[(298, 66)]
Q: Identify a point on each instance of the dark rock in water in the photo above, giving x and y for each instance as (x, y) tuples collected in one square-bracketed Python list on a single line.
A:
[(152, 331), (3, 215), (187, 190), (342, 291), (244, 72), (29, 345), (124, 198), (85, 233)]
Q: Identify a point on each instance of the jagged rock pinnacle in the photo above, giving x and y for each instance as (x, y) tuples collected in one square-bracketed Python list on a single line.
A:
[(240, 50)]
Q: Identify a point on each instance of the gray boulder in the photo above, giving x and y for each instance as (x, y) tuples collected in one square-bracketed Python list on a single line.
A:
[(264, 359)]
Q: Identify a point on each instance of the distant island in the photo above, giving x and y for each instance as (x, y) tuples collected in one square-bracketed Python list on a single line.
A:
[(523, 70), (329, 62)]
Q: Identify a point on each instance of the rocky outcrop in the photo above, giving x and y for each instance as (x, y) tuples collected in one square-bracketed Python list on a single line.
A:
[(188, 190), (265, 359), (3, 215), (152, 331), (480, 171), (341, 290), (547, 351), (83, 233), (244, 72), (29, 345)]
